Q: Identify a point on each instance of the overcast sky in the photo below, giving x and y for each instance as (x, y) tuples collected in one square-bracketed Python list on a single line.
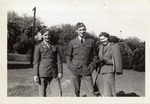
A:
[(122, 18)]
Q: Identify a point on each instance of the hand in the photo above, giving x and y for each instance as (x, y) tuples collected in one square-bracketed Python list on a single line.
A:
[(59, 76), (36, 79), (103, 62)]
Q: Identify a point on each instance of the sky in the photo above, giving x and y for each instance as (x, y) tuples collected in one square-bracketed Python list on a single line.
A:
[(121, 18)]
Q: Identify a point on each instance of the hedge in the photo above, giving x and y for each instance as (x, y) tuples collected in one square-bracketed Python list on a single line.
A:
[(18, 57)]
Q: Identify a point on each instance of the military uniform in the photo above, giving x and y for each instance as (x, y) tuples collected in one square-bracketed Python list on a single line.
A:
[(47, 65), (111, 53), (81, 62)]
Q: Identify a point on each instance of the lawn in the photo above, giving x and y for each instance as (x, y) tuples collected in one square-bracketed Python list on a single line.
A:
[(21, 84)]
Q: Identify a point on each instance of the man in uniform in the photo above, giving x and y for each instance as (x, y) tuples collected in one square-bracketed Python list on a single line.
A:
[(47, 65), (80, 60)]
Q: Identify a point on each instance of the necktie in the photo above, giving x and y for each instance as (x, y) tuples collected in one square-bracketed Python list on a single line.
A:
[(82, 40), (48, 45)]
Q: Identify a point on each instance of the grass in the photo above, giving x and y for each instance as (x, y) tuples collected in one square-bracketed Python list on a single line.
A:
[(21, 84)]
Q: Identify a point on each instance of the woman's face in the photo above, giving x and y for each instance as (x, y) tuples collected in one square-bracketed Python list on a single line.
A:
[(103, 40)]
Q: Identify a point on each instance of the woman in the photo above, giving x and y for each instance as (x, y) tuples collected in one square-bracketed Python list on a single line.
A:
[(110, 62)]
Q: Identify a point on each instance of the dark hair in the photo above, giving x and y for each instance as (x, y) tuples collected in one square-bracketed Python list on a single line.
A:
[(79, 24), (105, 34)]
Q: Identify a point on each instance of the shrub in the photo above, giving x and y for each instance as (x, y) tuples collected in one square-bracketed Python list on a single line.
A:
[(18, 57), (138, 59), (126, 55)]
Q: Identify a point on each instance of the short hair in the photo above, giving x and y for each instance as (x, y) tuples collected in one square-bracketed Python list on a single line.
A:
[(44, 30), (105, 34), (79, 24)]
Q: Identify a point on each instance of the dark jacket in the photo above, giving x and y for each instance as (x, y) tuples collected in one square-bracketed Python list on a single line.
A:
[(47, 61), (113, 56), (81, 57)]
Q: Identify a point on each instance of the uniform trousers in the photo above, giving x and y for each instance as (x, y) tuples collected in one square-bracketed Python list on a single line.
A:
[(52, 83), (108, 84), (76, 84)]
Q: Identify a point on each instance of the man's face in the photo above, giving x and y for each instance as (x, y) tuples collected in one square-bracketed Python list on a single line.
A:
[(81, 31), (103, 40), (46, 36)]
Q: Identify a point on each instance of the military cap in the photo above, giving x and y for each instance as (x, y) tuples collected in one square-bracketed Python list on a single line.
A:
[(79, 24)]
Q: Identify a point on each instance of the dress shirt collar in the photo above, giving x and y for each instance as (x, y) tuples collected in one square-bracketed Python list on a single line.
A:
[(80, 38), (45, 43)]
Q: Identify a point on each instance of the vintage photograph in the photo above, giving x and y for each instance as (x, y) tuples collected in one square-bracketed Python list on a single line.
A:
[(74, 48)]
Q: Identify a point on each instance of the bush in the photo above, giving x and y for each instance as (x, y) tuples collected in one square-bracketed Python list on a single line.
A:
[(138, 59), (126, 55), (18, 57)]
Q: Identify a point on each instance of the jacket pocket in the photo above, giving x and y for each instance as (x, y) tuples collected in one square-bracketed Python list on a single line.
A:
[(88, 46), (75, 46), (88, 49), (76, 49), (75, 62), (73, 66), (45, 64)]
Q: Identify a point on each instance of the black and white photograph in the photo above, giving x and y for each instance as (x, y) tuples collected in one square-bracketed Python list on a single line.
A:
[(74, 51)]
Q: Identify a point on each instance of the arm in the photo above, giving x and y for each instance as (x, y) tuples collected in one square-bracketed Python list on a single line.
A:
[(69, 53), (36, 63), (109, 62), (59, 61), (94, 55), (117, 59), (36, 60)]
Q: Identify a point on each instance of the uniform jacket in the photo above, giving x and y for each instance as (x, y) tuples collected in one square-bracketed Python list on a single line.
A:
[(81, 57), (47, 60), (112, 54)]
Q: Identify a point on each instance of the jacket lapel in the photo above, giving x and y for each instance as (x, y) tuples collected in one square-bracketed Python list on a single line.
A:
[(77, 40), (101, 52), (86, 41), (107, 47)]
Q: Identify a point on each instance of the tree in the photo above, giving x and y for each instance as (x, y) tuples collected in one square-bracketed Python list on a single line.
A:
[(138, 59), (126, 55), (20, 32), (114, 39), (13, 30), (132, 42)]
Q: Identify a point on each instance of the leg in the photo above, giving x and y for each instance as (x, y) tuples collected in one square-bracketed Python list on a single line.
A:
[(106, 85), (109, 84), (95, 78), (100, 84), (42, 87), (55, 88), (75, 84), (88, 82), (112, 84)]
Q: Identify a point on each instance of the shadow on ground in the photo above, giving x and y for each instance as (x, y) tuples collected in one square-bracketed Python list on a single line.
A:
[(12, 66), (123, 94)]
